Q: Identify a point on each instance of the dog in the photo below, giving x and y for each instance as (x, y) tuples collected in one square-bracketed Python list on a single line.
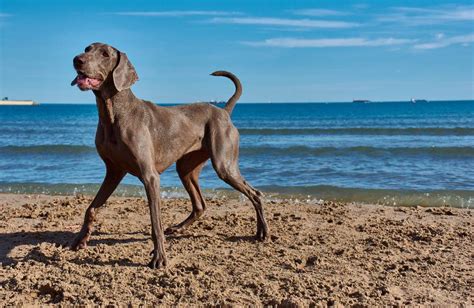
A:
[(138, 137)]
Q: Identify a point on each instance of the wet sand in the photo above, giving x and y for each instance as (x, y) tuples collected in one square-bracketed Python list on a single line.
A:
[(321, 253)]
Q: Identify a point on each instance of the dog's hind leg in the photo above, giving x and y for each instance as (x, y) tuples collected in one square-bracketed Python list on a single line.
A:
[(224, 157), (189, 167)]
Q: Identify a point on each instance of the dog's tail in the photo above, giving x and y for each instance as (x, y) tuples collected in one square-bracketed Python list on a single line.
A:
[(229, 106)]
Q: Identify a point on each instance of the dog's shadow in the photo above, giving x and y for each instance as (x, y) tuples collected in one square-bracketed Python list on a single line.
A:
[(9, 241)]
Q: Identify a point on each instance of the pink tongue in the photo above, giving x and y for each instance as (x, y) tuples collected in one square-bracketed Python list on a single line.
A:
[(86, 81)]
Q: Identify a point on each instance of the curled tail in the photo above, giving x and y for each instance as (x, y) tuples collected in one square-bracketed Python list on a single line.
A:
[(229, 106)]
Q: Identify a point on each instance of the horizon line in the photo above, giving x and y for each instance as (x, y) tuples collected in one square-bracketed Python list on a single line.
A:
[(278, 102)]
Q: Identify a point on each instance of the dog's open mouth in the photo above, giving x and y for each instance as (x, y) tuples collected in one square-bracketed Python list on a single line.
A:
[(86, 83)]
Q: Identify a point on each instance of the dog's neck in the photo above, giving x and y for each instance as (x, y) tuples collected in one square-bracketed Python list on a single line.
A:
[(111, 104)]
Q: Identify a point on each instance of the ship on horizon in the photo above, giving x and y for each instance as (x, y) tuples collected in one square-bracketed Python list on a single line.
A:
[(415, 100), (361, 101), (6, 102)]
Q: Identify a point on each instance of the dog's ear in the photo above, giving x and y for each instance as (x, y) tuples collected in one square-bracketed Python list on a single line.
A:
[(124, 74)]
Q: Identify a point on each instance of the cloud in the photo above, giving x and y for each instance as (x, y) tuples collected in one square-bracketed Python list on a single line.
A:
[(455, 13), (442, 41), (268, 21), (176, 13), (329, 42), (319, 12), (428, 16)]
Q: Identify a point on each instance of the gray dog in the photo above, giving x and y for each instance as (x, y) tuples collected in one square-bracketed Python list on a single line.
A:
[(138, 137)]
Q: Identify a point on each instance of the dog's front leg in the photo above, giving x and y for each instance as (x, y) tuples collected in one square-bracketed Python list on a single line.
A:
[(111, 181), (151, 180)]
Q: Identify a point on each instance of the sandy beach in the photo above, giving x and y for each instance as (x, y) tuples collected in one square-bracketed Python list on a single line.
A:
[(321, 253)]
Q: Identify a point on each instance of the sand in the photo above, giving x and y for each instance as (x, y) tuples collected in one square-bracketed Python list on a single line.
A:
[(322, 253)]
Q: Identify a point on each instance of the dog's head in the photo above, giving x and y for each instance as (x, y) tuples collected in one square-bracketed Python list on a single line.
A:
[(102, 66)]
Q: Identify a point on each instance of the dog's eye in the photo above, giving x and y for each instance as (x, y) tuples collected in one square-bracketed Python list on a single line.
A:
[(105, 54), (88, 49)]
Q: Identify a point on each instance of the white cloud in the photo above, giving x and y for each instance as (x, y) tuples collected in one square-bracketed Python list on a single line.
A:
[(176, 13), (446, 13), (329, 42), (268, 21), (319, 12), (428, 16), (445, 42)]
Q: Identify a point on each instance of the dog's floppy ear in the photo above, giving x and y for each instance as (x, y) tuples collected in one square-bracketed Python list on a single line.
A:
[(124, 74)]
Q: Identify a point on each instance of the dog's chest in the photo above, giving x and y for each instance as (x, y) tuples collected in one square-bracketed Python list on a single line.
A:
[(112, 147)]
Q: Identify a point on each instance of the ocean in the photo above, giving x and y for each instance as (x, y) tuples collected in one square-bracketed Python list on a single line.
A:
[(394, 153)]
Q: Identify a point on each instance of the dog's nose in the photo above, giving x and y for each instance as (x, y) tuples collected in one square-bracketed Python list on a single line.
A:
[(78, 61)]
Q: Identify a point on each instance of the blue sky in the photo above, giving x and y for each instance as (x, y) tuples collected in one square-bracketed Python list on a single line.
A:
[(283, 51)]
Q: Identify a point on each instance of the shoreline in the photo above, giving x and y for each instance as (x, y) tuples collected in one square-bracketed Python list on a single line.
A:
[(303, 194), (322, 253)]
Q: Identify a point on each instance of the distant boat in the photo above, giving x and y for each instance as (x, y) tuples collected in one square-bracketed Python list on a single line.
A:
[(415, 101), (6, 102), (361, 101)]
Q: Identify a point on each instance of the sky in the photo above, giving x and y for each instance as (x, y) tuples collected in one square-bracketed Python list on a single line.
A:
[(283, 51)]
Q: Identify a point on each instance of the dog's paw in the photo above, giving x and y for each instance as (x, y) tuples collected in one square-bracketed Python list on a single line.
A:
[(262, 233), (80, 242), (172, 230), (158, 260)]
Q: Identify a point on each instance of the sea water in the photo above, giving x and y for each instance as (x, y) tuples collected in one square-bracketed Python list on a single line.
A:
[(391, 153)]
